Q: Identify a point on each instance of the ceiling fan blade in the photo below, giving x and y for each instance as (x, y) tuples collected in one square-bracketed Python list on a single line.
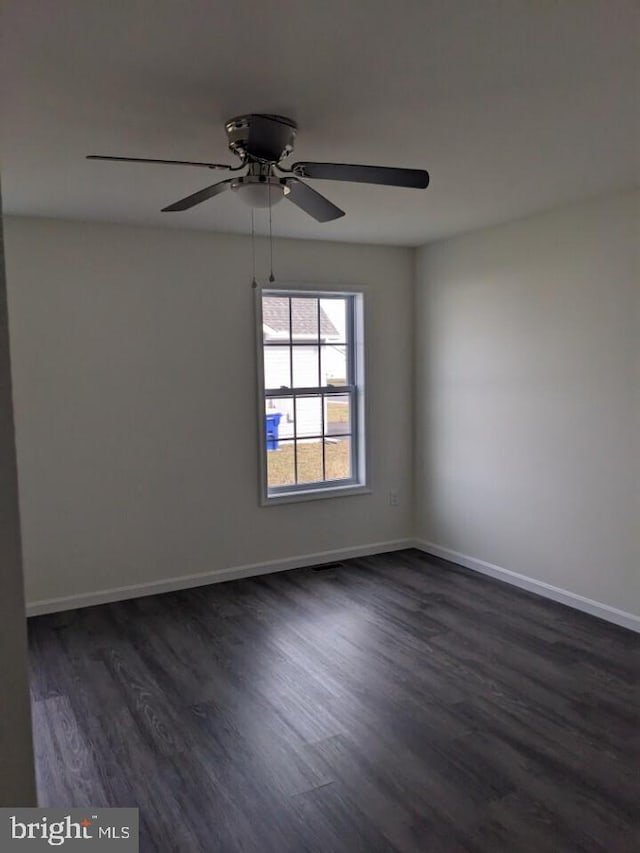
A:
[(197, 198), (311, 202), (416, 178), (163, 162)]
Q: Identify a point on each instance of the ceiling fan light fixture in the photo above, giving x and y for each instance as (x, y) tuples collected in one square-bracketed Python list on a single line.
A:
[(259, 191)]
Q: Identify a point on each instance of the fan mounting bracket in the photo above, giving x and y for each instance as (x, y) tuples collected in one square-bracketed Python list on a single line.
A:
[(260, 137)]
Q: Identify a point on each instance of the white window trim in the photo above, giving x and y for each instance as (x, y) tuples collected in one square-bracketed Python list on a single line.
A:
[(307, 492)]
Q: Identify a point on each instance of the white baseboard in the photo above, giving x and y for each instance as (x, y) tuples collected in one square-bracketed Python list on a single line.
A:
[(572, 599), (88, 599)]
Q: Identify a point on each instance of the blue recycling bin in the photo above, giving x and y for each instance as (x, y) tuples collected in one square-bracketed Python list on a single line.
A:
[(272, 423)]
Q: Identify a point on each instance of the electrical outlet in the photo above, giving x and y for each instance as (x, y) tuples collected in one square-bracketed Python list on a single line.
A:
[(394, 498)]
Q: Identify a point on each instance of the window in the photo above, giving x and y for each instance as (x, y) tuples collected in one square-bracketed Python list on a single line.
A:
[(311, 393)]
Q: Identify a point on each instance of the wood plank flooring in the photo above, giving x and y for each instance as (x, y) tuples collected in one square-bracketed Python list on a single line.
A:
[(396, 703)]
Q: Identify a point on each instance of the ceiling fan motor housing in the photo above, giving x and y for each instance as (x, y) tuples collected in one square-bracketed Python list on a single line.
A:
[(261, 137)]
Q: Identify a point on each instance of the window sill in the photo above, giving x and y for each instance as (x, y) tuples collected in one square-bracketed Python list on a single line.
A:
[(315, 494)]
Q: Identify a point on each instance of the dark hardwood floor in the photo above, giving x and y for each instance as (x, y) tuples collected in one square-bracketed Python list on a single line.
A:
[(397, 703)]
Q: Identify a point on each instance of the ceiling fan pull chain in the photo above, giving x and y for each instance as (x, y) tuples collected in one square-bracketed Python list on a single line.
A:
[(254, 283), (271, 275)]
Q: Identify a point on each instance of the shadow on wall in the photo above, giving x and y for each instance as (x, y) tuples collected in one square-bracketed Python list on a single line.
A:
[(17, 782)]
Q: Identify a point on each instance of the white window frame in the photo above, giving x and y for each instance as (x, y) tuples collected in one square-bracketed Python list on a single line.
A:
[(358, 483)]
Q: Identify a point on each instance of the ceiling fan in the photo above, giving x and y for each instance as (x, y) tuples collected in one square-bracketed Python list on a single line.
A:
[(261, 142)]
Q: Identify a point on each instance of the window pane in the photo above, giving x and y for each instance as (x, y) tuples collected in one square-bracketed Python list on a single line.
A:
[(337, 455), (309, 416), (333, 319), (278, 420), (275, 318), (305, 367), (309, 461), (281, 465), (310, 341), (304, 319), (277, 367), (334, 365), (337, 414)]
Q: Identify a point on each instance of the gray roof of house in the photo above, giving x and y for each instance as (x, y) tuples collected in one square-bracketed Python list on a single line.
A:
[(275, 314)]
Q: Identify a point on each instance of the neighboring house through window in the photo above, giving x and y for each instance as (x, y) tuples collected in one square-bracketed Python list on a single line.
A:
[(312, 393)]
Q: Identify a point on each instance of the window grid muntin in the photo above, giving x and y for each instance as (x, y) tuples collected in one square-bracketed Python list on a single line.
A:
[(310, 343), (322, 404)]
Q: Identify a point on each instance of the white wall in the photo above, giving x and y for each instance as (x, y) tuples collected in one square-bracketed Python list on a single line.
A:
[(133, 357), (528, 398), (17, 780), (135, 406)]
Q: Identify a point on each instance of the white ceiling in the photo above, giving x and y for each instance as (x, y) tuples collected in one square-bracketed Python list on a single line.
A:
[(512, 106)]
